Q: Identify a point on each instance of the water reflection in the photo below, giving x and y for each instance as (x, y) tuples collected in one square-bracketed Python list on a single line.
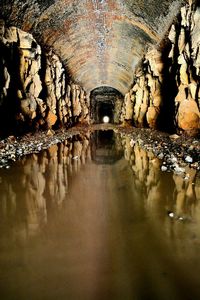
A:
[(162, 191), (106, 147), (40, 181), (89, 219)]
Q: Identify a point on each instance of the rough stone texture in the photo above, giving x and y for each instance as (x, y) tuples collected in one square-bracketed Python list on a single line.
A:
[(186, 55), (142, 104), (105, 101), (35, 90), (100, 42), (166, 85), (188, 115)]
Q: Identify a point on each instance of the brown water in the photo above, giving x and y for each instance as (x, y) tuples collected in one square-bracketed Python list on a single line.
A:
[(89, 219)]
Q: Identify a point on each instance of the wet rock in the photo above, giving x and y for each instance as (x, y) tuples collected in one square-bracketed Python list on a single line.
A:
[(163, 168), (179, 66), (174, 136), (188, 115), (42, 86), (189, 159), (51, 119)]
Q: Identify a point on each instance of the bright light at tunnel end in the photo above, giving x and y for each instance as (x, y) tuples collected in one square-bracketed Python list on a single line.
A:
[(106, 119)]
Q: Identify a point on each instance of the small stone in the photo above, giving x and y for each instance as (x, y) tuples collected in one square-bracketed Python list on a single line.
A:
[(174, 136), (163, 168), (173, 159), (161, 156), (189, 159), (171, 214)]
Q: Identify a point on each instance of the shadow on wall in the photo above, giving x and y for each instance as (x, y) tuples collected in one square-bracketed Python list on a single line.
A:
[(105, 102)]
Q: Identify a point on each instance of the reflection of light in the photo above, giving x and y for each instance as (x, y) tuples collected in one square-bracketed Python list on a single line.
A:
[(106, 119)]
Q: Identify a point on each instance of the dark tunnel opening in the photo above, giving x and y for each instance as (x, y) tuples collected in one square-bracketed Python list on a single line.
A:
[(105, 112), (105, 104)]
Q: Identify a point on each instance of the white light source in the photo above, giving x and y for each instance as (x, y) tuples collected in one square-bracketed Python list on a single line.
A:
[(106, 119)]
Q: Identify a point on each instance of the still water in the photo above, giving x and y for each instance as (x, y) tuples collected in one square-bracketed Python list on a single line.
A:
[(94, 218)]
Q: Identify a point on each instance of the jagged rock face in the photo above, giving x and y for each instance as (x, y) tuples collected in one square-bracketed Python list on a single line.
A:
[(143, 102), (166, 86), (35, 91), (185, 53), (100, 42)]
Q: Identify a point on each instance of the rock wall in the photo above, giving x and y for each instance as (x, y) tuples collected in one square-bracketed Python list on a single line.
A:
[(35, 91), (165, 93)]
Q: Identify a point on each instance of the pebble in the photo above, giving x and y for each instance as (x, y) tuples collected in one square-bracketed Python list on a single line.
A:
[(171, 214), (163, 168), (189, 159), (173, 159), (174, 136), (161, 156)]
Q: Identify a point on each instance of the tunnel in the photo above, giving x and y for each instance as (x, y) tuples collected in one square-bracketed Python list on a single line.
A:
[(99, 149), (99, 42), (66, 62), (105, 105)]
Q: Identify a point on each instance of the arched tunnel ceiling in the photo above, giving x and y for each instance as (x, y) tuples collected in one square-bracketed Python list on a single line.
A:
[(99, 41)]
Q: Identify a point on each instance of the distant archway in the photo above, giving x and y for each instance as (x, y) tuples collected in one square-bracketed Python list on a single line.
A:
[(105, 104)]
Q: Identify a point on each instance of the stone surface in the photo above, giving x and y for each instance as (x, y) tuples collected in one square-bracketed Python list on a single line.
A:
[(51, 119), (110, 36), (188, 115), (42, 96), (167, 81), (165, 84)]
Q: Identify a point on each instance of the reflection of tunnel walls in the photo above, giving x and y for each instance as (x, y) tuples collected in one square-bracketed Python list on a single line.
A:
[(166, 93), (181, 195), (45, 178), (35, 91), (106, 147), (105, 101), (42, 186)]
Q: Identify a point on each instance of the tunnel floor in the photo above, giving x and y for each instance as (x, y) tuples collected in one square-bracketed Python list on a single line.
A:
[(94, 217)]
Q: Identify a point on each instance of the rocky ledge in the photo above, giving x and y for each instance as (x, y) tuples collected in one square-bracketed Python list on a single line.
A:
[(175, 152)]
